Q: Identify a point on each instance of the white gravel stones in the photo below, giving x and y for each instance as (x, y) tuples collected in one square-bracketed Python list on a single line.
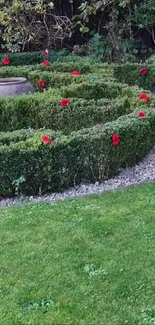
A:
[(141, 173)]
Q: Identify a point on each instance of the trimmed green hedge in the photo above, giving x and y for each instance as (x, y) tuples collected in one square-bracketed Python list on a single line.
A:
[(56, 80), (99, 104), (84, 68), (6, 138), (98, 90), (52, 78), (86, 155), (80, 151), (24, 58), (28, 58), (42, 111), (16, 71), (130, 74)]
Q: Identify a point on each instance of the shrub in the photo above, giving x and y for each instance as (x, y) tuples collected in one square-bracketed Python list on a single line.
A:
[(24, 58), (93, 103), (58, 71), (130, 74), (29, 58), (127, 73), (98, 90), (43, 110), (84, 155), (6, 138)]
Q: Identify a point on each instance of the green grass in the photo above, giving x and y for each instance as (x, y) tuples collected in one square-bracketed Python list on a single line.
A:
[(48, 249)]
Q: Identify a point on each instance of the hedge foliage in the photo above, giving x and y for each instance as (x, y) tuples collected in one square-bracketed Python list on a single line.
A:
[(90, 104), (84, 68), (130, 74), (86, 155), (81, 133), (29, 58)]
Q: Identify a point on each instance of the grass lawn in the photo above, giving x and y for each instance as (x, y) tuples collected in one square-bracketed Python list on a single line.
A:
[(93, 258)]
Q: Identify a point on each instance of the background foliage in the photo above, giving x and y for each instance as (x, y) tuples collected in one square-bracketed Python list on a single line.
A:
[(112, 30)]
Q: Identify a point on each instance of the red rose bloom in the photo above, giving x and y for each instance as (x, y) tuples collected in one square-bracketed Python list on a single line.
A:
[(144, 97), (45, 52), (65, 102), (115, 139), (41, 83), (141, 114), (45, 139), (144, 71), (75, 73), (6, 60), (46, 63)]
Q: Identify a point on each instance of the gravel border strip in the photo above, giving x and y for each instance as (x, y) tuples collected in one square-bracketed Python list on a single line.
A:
[(139, 174)]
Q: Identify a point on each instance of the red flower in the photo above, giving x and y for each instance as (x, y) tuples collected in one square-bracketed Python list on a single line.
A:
[(75, 73), (45, 139), (41, 83), (144, 97), (46, 63), (144, 71), (64, 102), (6, 60), (141, 114), (115, 139), (45, 52)]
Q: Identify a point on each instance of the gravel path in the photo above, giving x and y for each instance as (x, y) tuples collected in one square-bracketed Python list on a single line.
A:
[(141, 173)]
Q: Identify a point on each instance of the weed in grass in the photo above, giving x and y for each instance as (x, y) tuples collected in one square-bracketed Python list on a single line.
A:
[(92, 271), (45, 302)]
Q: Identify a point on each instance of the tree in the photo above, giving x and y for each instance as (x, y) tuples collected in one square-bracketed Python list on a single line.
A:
[(32, 22)]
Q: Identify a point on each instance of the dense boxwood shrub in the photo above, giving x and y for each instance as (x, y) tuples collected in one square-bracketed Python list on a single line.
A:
[(24, 58), (83, 67), (130, 74), (43, 110), (81, 133), (59, 74), (98, 90), (29, 58), (6, 138), (84, 155), (12, 71), (57, 80)]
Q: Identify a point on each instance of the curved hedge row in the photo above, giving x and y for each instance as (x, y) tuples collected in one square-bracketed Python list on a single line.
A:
[(130, 74), (29, 58), (86, 155), (77, 150), (60, 74), (89, 104), (84, 68)]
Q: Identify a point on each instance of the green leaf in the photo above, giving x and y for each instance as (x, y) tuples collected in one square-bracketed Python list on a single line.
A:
[(84, 30)]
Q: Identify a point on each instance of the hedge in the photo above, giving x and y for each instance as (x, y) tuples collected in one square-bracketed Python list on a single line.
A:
[(24, 58), (28, 58), (86, 155), (52, 78), (84, 68), (16, 71), (44, 109), (98, 90), (130, 74), (6, 138), (80, 113)]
